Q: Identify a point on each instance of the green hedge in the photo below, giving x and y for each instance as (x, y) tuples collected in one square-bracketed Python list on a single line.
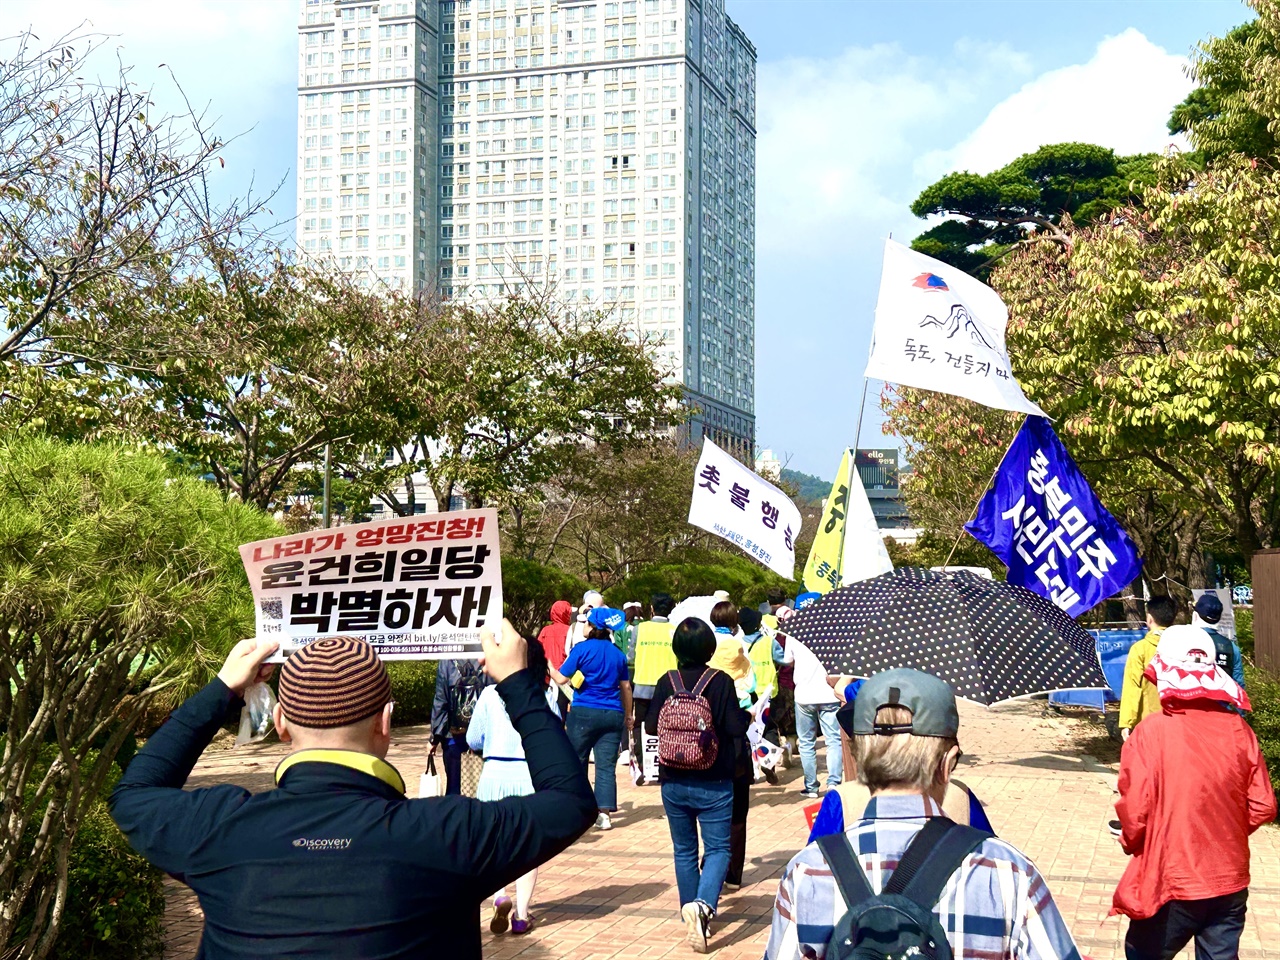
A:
[(413, 687), (1264, 693), (115, 900)]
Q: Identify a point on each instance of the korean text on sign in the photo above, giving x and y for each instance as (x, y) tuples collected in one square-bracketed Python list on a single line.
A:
[(416, 588), (732, 502)]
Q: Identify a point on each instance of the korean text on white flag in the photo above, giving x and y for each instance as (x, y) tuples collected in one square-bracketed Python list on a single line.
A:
[(744, 508), (417, 588), (938, 328)]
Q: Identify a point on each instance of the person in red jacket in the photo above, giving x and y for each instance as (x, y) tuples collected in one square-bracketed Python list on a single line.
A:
[(1193, 786), (552, 639)]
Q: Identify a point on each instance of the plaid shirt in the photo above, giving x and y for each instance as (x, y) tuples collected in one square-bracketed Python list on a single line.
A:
[(995, 906)]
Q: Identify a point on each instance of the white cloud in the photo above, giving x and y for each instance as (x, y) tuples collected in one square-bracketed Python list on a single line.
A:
[(1120, 98), (838, 136)]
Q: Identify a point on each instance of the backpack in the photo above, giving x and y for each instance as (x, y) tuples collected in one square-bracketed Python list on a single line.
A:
[(686, 734), (898, 922), (463, 695), (1223, 655)]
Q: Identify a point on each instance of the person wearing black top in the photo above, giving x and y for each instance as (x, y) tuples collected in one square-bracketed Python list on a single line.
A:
[(700, 799), (337, 861)]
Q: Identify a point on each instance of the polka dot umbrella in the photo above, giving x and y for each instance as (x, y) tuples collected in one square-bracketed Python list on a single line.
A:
[(990, 640)]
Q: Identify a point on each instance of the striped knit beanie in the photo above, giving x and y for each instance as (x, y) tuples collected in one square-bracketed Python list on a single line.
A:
[(333, 682)]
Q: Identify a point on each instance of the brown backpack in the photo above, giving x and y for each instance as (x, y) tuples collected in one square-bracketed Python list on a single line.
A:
[(686, 734)]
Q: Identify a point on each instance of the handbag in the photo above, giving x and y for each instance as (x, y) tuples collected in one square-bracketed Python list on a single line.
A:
[(431, 784)]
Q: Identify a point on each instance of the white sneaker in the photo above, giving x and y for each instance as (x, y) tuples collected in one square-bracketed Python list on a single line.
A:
[(603, 822), (697, 925)]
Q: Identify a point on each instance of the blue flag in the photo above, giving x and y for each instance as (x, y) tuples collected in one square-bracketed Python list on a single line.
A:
[(1042, 519)]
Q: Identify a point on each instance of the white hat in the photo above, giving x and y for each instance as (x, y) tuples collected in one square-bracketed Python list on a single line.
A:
[(593, 598), (721, 595), (631, 603), (1185, 644)]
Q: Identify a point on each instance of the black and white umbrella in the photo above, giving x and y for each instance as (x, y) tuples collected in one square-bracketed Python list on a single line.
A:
[(990, 640)]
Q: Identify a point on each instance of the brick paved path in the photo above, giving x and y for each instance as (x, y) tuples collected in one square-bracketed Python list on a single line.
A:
[(612, 895)]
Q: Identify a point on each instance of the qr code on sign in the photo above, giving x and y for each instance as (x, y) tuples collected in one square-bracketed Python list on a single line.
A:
[(272, 609)]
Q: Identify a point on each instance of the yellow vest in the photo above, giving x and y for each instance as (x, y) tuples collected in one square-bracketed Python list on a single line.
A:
[(762, 661), (654, 655)]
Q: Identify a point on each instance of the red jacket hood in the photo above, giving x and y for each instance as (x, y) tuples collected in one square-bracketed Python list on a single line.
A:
[(562, 612)]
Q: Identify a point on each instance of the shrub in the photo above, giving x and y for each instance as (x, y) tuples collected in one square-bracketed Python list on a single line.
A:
[(109, 563), (413, 688), (115, 898), (1244, 630), (701, 574), (1264, 693), (530, 588)]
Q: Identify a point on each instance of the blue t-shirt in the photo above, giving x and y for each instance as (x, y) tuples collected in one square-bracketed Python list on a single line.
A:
[(603, 667)]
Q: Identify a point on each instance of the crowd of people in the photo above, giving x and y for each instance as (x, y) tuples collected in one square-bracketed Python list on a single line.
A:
[(902, 858)]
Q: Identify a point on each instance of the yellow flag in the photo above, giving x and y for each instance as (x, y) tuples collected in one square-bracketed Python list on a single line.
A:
[(822, 572)]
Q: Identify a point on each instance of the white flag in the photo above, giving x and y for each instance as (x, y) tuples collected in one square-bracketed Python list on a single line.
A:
[(743, 508), (863, 554), (940, 329)]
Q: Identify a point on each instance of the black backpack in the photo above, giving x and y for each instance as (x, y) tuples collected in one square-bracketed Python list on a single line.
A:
[(464, 694), (898, 922), (1223, 655)]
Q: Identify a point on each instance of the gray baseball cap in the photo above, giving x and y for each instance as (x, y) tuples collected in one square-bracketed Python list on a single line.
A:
[(930, 700)]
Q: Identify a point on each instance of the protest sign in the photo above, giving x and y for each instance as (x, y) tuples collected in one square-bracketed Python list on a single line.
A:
[(940, 329), (744, 508), (417, 588), (1043, 520)]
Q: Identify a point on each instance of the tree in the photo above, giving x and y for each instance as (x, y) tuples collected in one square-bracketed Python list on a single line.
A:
[(614, 511), (94, 186), (1038, 195), (508, 398), (267, 363), (1236, 106), (1156, 339), (120, 583)]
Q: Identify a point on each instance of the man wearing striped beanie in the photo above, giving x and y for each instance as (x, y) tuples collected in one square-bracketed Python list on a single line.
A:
[(336, 861)]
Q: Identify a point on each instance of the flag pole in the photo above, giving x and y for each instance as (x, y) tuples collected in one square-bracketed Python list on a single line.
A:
[(974, 512)]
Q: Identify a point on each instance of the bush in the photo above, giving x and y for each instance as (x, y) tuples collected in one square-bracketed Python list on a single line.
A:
[(1244, 630), (701, 574), (530, 588), (115, 898), (1264, 693), (413, 688)]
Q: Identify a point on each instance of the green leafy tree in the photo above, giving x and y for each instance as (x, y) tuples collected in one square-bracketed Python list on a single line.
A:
[(1236, 106), (120, 583), (1041, 195), (1157, 339), (505, 399), (268, 363)]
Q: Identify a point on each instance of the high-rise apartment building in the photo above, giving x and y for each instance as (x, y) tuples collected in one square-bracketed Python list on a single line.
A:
[(607, 146)]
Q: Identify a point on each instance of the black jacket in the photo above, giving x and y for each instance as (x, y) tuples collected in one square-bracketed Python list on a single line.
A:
[(336, 862), (729, 719)]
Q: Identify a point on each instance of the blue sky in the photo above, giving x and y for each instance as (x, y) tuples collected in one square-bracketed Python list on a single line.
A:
[(860, 105)]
